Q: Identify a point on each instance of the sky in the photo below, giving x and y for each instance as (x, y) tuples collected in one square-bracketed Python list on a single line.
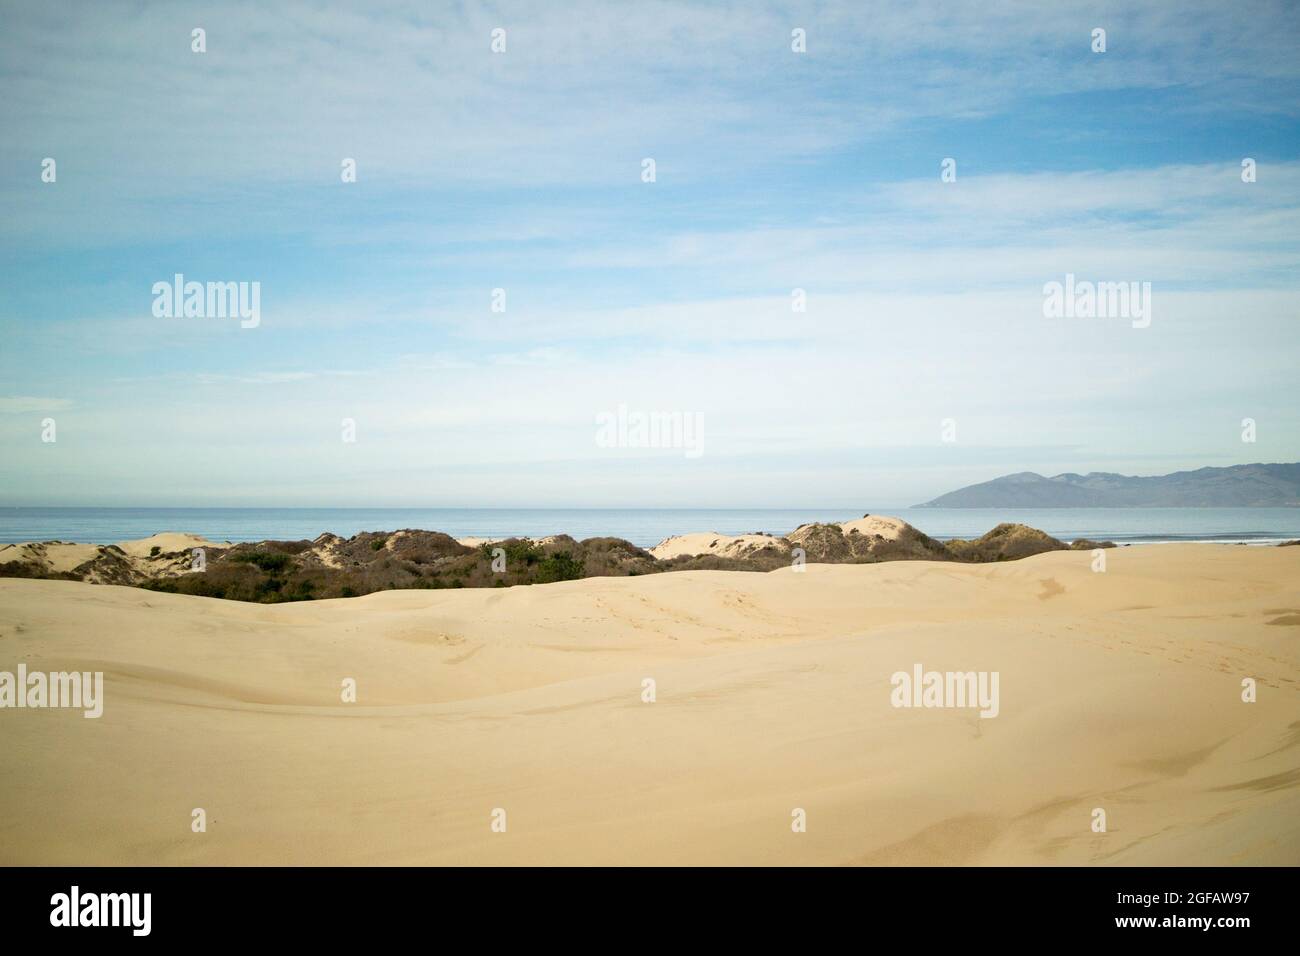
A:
[(922, 361)]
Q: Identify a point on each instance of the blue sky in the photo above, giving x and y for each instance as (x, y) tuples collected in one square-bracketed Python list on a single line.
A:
[(521, 170)]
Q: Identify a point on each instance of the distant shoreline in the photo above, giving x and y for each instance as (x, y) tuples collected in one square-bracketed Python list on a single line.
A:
[(327, 566), (644, 527)]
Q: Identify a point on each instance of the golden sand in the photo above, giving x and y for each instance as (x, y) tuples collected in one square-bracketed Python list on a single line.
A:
[(1119, 690)]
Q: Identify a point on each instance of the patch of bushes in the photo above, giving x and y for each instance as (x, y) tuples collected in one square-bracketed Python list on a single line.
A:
[(520, 552), (266, 560), (560, 566)]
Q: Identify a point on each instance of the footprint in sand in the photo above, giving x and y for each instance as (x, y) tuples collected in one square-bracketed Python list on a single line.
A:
[(1051, 588)]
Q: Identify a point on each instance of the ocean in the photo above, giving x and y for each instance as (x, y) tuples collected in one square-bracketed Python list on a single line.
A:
[(643, 527)]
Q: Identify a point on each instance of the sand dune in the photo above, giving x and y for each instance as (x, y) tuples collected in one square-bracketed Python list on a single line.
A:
[(889, 528), (721, 545), (1118, 690), (56, 556), (165, 542), (159, 553), (742, 545)]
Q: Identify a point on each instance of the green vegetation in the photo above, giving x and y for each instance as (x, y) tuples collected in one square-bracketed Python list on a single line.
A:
[(266, 560), (520, 553), (560, 566)]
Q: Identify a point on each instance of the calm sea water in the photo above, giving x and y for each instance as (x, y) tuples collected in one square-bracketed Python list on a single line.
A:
[(644, 527)]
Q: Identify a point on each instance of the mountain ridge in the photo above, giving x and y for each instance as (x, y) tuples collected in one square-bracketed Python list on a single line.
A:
[(1257, 485)]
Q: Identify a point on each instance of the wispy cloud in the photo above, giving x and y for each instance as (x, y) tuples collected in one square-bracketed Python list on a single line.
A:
[(16, 404), (521, 171)]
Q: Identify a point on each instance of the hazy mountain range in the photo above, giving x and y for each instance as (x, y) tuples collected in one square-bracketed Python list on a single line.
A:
[(1258, 485)]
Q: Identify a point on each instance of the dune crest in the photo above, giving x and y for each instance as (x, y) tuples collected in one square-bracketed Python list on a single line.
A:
[(126, 562), (330, 566), (720, 545)]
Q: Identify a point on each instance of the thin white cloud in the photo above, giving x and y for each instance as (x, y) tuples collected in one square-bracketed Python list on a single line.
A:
[(17, 404)]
